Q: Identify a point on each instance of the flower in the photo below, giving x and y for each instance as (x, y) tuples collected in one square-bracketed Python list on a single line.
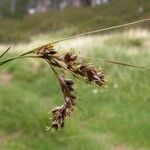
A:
[(77, 68), (60, 113), (87, 71)]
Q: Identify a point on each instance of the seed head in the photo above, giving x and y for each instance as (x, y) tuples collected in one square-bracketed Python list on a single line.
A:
[(78, 68)]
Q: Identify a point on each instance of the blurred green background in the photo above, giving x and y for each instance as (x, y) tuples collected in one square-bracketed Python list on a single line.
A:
[(113, 118), (20, 26)]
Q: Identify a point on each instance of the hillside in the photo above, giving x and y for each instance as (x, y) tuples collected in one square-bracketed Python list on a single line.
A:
[(73, 20)]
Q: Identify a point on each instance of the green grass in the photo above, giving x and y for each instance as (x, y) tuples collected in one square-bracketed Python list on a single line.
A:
[(116, 117), (73, 20)]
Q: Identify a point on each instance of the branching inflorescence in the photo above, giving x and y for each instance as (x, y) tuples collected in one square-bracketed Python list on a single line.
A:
[(75, 66), (78, 69), (72, 64)]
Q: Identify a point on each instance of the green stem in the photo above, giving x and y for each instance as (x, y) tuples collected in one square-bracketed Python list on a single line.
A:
[(17, 57)]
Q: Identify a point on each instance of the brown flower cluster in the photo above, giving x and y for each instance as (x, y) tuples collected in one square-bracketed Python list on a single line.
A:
[(49, 54), (60, 113), (85, 70), (78, 69)]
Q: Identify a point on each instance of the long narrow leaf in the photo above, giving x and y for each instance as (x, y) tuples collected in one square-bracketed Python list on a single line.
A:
[(124, 64), (8, 60), (4, 52), (115, 62)]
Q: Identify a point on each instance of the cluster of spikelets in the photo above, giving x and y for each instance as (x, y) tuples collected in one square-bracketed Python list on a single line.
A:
[(75, 66), (69, 62), (78, 69), (72, 64)]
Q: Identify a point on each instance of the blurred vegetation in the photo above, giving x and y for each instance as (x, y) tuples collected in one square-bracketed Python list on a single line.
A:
[(75, 20), (5, 8)]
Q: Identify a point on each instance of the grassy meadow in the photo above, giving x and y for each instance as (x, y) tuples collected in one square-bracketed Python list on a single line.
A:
[(113, 118)]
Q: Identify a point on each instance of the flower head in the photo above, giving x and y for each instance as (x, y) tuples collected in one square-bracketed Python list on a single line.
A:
[(78, 68)]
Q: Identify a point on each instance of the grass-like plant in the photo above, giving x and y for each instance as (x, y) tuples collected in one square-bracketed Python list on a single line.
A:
[(74, 65), (71, 63)]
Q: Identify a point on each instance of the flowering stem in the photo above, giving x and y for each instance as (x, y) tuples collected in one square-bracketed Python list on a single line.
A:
[(17, 57)]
